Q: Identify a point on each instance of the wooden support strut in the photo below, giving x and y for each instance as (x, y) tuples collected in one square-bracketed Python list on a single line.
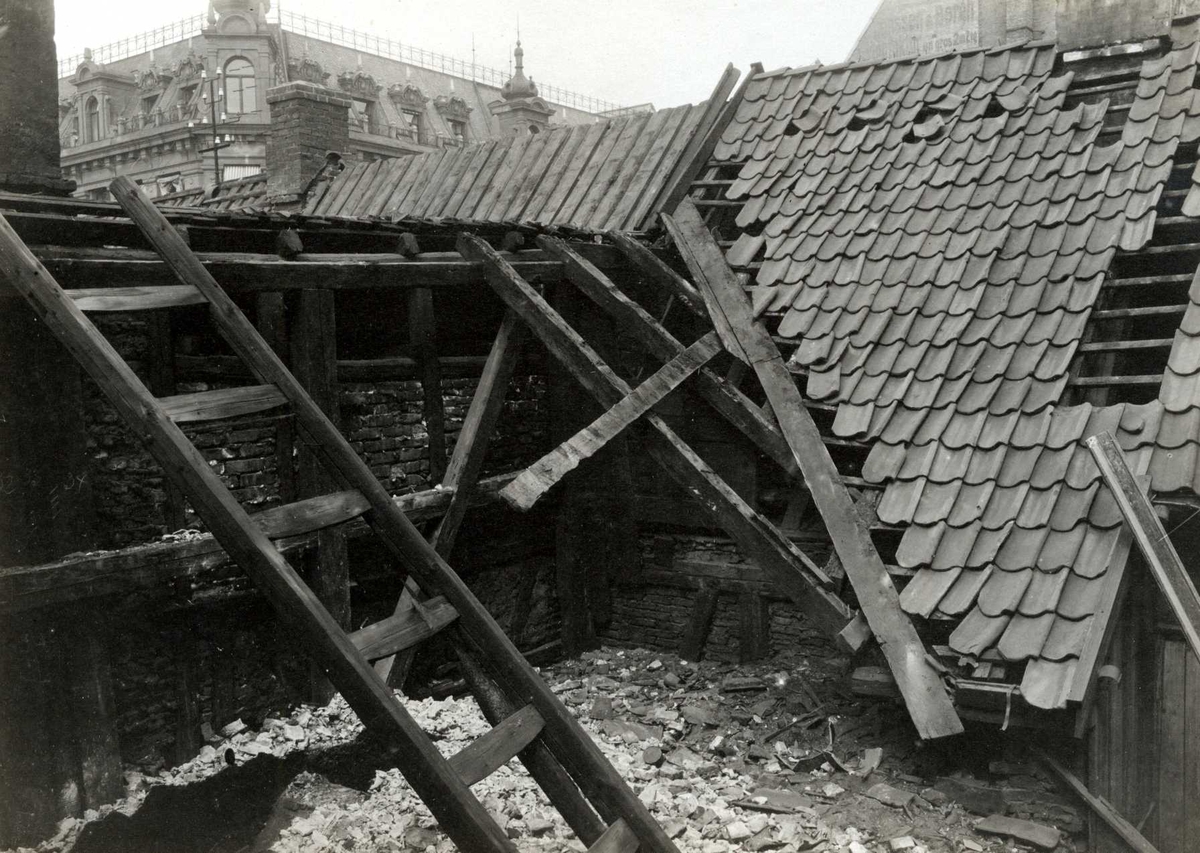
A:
[(925, 695), (440, 788), (1152, 539), (529, 486), (790, 568)]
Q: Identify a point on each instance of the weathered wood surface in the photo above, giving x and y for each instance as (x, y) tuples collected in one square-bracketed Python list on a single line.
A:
[(1161, 556), (1100, 806), (696, 635), (925, 695), (403, 630), (311, 514), (532, 483), (144, 567), (222, 403), (186, 467), (135, 298), (656, 269), (727, 400), (484, 756), (618, 838), (422, 335), (461, 815), (788, 566)]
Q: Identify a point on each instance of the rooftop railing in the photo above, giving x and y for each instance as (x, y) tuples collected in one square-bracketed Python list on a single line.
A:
[(346, 37)]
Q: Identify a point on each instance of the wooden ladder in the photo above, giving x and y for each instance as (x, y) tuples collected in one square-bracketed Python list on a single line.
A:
[(528, 720)]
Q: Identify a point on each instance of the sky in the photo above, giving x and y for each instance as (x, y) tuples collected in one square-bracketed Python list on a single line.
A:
[(667, 52)]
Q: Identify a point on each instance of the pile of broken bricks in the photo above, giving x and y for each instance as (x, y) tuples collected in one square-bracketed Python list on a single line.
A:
[(771, 756)]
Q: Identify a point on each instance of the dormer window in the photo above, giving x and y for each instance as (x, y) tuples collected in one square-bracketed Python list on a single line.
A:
[(241, 88), (413, 119), (458, 129), (148, 103), (362, 113)]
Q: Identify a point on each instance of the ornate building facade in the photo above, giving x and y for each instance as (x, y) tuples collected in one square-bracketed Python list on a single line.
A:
[(188, 109)]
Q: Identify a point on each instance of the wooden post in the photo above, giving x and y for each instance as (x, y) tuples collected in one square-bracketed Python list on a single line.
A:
[(925, 696), (755, 626), (271, 319), (1161, 556), (161, 367), (314, 364), (422, 331)]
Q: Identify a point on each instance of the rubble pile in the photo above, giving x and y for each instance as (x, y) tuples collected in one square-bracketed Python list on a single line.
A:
[(766, 757)]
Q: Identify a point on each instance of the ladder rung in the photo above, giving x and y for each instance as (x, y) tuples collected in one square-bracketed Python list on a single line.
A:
[(296, 519), (618, 838), (1119, 346), (223, 403), (1139, 281), (403, 630), (485, 756), (136, 298), (1128, 313), (1111, 381)]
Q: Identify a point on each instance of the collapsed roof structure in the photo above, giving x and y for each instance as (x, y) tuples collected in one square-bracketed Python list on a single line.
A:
[(972, 264)]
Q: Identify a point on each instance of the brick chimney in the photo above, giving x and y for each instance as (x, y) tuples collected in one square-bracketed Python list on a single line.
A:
[(29, 148), (307, 123)]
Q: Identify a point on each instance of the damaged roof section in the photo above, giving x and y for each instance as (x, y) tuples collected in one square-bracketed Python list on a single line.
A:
[(933, 235), (604, 176)]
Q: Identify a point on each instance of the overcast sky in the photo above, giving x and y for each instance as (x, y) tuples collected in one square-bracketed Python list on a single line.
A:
[(668, 52)]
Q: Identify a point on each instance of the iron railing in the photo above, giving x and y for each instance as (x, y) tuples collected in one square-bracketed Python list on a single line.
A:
[(347, 37)]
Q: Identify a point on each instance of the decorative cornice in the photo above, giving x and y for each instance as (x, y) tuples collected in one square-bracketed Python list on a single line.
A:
[(189, 67), (359, 83), (308, 69), (153, 78), (452, 107), (407, 95)]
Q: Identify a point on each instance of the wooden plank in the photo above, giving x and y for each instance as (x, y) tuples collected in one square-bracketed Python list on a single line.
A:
[(529, 486), (351, 207), (428, 773), (343, 185), (385, 182), (483, 180), (484, 756), (718, 111), (433, 208), (705, 607), (536, 174), (513, 156), (447, 799), (583, 154), (656, 269), (644, 216), (1173, 808), (521, 171), (422, 336), (618, 838), (1191, 754), (1161, 556), (731, 403), (135, 298), (754, 624), (222, 403), (630, 128), (755, 535), (462, 472), (640, 182), (311, 514), (441, 181), (403, 630), (563, 161), (1100, 806), (479, 159), (414, 173), (929, 705), (430, 168), (619, 190), (583, 183)]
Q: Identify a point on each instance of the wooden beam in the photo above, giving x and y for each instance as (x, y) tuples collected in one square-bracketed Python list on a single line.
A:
[(313, 339), (728, 401), (696, 635), (422, 336), (1152, 539), (221, 403), (532, 483), (403, 630), (718, 111), (925, 695), (484, 756), (1100, 806), (462, 472), (135, 298), (789, 567), (656, 269), (156, 565)]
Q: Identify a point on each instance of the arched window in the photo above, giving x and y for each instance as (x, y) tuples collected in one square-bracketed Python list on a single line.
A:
[(93, 120), (241, 94)]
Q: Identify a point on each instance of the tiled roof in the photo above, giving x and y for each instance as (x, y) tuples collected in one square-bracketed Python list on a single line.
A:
[(602, 176), (933, 235), (246, 194)]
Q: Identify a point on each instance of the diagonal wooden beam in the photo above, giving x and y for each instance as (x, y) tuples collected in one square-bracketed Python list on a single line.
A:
[(1154, 542), (738, 409), (924, 693), (462, 471), (529, 486), (795, 574)]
